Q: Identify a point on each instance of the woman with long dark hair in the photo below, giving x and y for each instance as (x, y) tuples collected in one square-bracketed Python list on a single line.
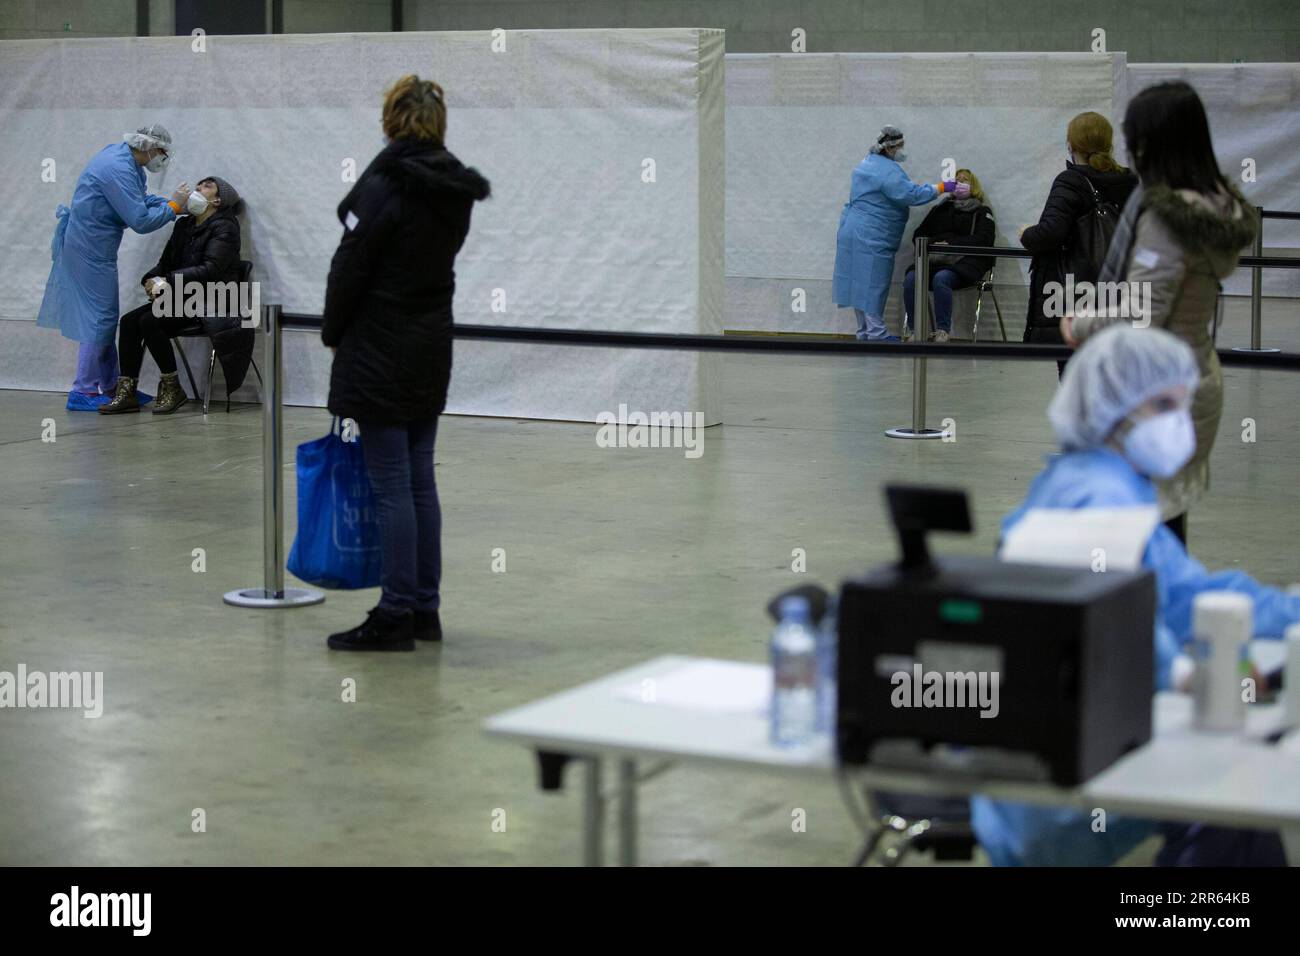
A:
[(388, 319), (1180, 235)]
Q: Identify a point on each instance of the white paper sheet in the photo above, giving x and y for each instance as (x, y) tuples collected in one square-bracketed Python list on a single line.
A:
[(1080, 537), (715, 687)]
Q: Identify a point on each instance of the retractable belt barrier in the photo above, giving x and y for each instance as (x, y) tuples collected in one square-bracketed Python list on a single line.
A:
[(272, 593), (273, 321)]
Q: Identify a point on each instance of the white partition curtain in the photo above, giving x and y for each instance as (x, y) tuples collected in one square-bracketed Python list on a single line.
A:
[(604, 148), (797, 124), (606, 152)]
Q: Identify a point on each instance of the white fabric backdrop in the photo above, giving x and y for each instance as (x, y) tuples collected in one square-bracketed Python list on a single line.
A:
[(560, 122), (1254, 111), (797, 124)]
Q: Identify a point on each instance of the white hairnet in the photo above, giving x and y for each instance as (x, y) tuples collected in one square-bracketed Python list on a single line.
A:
[(154, 136), (890, 136), (1114, 372)]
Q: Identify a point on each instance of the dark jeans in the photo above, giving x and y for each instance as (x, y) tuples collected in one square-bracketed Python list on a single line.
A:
[(399, 461), (942, 283), (140, 328)]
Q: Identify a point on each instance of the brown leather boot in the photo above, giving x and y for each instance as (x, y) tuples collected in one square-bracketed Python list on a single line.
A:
[(170, 394), (124, 399)]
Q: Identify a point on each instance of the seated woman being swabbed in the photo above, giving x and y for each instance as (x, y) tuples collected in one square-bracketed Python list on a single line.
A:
[(203, 247), (957, 222), (871, 227), (1123, 417)]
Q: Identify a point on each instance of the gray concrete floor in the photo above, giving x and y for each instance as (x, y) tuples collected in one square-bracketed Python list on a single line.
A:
[(613, 556)]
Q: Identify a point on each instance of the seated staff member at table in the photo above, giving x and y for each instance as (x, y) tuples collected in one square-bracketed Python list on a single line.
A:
[(1122, 416)]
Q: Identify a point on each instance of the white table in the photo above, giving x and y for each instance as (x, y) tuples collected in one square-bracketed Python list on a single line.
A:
[(1180, 775)]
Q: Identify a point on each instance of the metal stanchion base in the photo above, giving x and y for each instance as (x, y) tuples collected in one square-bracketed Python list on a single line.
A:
[(913, 433), (261, 597), (1247, 348)]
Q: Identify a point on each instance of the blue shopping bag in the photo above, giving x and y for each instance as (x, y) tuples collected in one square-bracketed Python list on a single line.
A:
[(337, 543)]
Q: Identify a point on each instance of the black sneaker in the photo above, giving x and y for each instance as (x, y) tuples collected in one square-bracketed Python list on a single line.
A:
[(381, 631), (427, 626)]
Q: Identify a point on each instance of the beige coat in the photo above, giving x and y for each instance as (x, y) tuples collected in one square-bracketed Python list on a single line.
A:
[(1184, 244)]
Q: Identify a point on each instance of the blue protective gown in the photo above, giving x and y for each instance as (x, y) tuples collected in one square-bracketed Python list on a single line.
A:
[(81, 292), (1022, 835), (871, 227)]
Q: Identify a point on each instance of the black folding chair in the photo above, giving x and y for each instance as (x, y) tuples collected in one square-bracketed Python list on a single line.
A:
[(245, 274), (986, 285)]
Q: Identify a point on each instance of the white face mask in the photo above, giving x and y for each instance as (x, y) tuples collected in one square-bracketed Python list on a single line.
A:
[(1160, 445), (156, 164), (197, 203), (900, 157)]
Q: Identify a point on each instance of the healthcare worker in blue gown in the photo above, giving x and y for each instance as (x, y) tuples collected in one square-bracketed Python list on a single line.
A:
[(1123, 417), (81, 293), (871, 227)]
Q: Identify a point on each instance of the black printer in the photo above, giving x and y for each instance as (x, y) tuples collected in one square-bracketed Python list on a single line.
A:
[(1049, 666)]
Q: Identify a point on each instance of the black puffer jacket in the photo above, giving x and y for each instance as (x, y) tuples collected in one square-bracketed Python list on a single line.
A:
[(391, 282), (209, 252), (1069, 199), (947, 222)]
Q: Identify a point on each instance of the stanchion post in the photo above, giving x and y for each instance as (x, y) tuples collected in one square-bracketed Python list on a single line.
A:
[(922, 328), (1257, 287), (1257, 292), (921, 331), (272, 455), (273, 593)]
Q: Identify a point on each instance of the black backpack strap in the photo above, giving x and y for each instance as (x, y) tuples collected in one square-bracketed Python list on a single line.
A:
[(1096, 196)]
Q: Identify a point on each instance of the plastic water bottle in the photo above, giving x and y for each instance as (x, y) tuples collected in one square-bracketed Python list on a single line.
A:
[(794, 675), (826, 668)]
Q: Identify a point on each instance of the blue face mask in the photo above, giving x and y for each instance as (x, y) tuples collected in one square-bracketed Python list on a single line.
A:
[(1160, 445)]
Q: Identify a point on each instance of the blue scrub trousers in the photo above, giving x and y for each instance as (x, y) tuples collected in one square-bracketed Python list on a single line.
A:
[(96, 369), (399, 461), (870, 327)]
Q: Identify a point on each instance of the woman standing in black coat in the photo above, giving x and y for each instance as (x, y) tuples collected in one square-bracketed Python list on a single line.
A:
[(1089, 140), (388, 319)]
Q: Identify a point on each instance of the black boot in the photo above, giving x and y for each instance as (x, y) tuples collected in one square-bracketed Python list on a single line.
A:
[(124, 398), (170, 394), (427, 626), (381, 631)]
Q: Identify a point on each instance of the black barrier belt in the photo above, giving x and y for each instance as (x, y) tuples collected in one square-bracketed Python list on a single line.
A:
[(776, 344), (1007, 252), (1279, 214)]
